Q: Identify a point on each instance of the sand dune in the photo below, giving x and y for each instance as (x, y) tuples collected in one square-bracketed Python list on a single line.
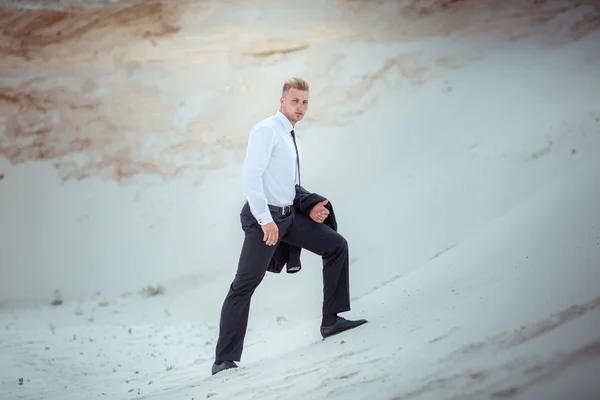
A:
[(131, 86), (34, 33), (458, 141), (552, 21)]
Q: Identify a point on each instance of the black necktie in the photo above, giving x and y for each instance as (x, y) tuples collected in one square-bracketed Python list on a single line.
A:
[(297, 156)]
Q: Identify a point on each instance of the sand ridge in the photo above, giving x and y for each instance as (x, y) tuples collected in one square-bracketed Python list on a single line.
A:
[(133, 64)]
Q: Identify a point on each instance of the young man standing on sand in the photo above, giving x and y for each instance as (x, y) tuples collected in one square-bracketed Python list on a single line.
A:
[(279, 213)]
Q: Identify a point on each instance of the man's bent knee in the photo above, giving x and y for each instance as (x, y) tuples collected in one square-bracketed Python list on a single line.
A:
[(339, 245), (341, 241)]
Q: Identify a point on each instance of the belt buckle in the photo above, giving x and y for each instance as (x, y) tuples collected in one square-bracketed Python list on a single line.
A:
[(285, 209)]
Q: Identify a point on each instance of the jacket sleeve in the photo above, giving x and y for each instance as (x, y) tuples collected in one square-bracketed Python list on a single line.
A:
[(305, 200)]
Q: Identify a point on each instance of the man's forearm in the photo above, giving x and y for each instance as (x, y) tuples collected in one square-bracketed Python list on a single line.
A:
[(256, 198)]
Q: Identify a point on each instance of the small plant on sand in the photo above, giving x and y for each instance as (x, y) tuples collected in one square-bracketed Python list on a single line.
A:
[(57, 299), (153, 291)]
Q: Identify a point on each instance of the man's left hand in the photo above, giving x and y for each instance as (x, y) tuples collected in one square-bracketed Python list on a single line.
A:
[(319, 213)]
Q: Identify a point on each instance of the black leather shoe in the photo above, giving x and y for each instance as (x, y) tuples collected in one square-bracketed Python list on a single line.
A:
[(223, 366), (341, 325)]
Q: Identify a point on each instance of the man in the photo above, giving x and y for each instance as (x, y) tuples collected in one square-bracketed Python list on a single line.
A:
[(278, 217)]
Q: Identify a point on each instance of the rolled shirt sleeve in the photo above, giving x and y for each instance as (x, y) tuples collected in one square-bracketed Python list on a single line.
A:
[(260, 145)]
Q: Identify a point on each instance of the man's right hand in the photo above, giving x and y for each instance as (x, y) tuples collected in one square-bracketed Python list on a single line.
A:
[(271, 233)]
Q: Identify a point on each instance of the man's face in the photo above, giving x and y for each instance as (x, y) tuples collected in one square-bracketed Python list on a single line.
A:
[(294, 104)]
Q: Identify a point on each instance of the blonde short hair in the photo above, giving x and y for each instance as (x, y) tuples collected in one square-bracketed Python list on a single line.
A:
[(296, 83)]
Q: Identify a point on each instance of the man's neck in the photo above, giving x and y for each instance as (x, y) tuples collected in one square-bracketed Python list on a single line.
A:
[(291, 122)]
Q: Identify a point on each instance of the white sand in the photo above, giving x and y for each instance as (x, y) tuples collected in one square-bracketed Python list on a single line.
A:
[(474, 231)]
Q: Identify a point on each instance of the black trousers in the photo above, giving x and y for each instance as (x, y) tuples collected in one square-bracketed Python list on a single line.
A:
[(296, 229)]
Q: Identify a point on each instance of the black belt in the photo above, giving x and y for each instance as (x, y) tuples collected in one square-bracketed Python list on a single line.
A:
[(285, 210)]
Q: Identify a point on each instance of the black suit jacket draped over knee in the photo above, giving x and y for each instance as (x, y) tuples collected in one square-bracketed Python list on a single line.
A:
[(286, 255)]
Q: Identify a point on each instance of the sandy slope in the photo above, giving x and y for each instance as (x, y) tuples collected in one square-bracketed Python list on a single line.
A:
[(474, 233)]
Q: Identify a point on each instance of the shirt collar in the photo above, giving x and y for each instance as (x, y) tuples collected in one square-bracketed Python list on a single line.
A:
[(283, 119)]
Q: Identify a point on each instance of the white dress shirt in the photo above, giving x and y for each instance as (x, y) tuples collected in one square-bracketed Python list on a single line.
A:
[(270, 171)]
